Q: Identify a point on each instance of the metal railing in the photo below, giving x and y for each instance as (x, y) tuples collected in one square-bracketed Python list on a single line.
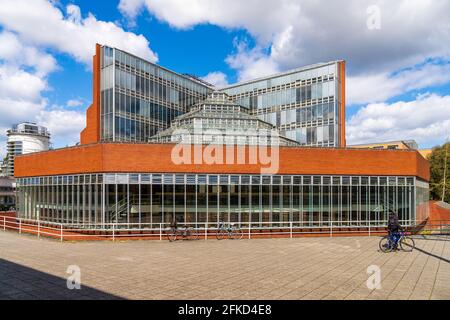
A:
[(118, 231)]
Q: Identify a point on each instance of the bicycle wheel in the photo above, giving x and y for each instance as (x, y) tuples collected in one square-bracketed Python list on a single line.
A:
[(192, 234), (221, 234), (385, 244), (237, 234), (407, 244), (172, 235)]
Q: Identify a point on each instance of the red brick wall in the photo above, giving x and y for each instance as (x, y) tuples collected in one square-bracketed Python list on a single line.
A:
[(342, 138), (63, 161), (91, 134), (157, 158)]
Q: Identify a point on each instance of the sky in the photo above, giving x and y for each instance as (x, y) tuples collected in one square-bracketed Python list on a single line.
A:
[(397, 55)]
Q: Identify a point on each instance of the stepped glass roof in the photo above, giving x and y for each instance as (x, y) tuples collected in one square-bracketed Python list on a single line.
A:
[(219, 120)]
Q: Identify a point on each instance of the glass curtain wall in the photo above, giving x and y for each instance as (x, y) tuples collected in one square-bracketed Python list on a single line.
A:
[(136, 200), (302, 104), (139, 98)]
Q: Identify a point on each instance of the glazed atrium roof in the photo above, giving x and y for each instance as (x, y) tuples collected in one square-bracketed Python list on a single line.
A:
[(219, 120)]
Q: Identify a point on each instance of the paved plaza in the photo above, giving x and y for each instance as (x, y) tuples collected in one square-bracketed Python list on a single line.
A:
[(302, 268)]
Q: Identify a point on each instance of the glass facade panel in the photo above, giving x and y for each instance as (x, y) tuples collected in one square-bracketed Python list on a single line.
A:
[(139, 99), (144, 200), (300, 101)]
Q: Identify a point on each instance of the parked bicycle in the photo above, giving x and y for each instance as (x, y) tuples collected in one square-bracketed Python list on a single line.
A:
[(185, 233), (230, 231), (405, 242)]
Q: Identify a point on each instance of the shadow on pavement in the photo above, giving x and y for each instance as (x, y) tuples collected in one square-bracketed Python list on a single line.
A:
[(432, 254), (18, 282)]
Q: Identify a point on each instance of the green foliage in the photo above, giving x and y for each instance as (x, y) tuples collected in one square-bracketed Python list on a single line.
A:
[(437, 166)]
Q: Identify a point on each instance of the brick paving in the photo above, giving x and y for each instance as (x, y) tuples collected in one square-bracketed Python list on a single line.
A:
[(302, 268)]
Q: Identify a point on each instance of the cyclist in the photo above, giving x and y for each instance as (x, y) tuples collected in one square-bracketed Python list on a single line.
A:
[(393, 228)]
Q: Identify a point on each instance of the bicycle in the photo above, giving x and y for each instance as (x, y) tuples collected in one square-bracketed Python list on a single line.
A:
[(230, 231), (406, 243), (186, 233)]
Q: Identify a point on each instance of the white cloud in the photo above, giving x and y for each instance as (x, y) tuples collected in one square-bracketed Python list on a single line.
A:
[(380, 87), (310, 31), (64, 125), (40, 23), (32, 29), (426, 120), (250, 14), (74, 103), (74, 14), (17, 54), (250, 63), (14, 111), (130, 8), (216, 78), (17, 84)]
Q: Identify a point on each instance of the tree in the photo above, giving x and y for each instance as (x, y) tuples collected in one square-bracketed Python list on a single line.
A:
[(440, 167)]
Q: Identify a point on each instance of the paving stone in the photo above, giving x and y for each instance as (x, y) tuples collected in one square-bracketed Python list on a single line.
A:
[(300, 268)]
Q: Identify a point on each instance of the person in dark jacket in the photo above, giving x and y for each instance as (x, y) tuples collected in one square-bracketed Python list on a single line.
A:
[(393, 228)]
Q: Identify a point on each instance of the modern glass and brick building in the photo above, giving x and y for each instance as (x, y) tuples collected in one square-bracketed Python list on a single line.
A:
[(160, 145), (136, 99)]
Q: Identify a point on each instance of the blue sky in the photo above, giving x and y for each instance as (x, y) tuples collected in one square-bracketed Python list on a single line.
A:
[(398, 55), (184, 51)]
